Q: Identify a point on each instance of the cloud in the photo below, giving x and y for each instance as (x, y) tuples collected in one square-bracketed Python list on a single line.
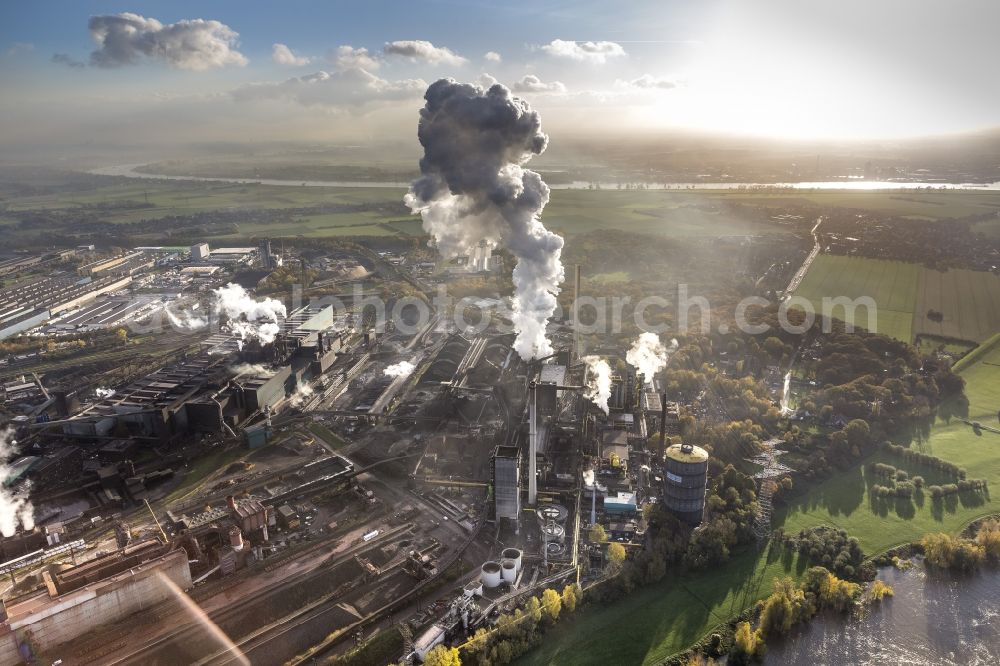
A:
[(65, 59), (353, 87), (18, 48), (197, 44), (595, 52), (420, 50), (283, 55), (492, 56), (532, 84), (348, 57), (486, 80), (647, 82)]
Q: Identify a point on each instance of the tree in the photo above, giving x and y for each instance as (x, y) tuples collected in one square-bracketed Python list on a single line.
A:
[(569, 597), (774, 346), (534, 609), (988, 538), (858, 433), (747, 644), (597, 534), (616, 554), (551, 604), (122, 335), (443, 655)]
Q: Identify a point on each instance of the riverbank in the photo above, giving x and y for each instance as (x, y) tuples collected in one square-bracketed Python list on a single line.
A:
[(932, 618)]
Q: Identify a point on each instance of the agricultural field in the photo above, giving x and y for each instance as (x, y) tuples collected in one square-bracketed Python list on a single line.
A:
[(659, 212), (968, 300), (904, 294), (935, 205), (891, 284), (675, 213)]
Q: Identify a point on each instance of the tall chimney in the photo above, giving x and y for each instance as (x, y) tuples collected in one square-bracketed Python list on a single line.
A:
[(576, 312), (231, 501), (663, 424), (533, 446)]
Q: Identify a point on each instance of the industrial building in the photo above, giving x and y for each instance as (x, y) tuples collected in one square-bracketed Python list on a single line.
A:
[(264, 252), (80, 599), (506, 482), (203, 394), (24, 306), (124, 264), (200, 252)]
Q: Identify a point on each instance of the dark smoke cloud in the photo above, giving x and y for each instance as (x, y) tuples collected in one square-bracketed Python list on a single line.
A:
[(473, 188), (124, 39)]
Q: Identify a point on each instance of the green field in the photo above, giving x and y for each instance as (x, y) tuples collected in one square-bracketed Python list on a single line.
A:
[(649, 211), (934, 205), (904, 293), (843, 501), (891, 284), (968, 300), (660, 620), (668, 617), (677, 213)]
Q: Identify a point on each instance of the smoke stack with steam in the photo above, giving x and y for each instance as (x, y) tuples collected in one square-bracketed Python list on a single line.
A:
[(598, 381), (648, 355), (473, 188)]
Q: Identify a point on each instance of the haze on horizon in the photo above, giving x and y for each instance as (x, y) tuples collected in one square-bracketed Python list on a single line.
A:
[(92, 75)]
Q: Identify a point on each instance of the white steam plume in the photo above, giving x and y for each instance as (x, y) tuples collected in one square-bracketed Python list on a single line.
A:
[(302, 393), (15, 507), (401, 369), (249, 318), (598, 381), (473, 187), (255, 369), (103, 393), (648, 355), (187, 320)]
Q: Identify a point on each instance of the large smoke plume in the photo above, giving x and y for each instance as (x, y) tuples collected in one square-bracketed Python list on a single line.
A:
[(249, 318), (648, 355), (474, 187), (598, 381), (15, 507)]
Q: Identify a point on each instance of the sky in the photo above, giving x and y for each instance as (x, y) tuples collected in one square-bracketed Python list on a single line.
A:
[(133, 72)]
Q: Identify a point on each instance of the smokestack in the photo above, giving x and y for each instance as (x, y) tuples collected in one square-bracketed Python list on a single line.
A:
[(576, 312), (533, 446), (663, 424), (231, 501)]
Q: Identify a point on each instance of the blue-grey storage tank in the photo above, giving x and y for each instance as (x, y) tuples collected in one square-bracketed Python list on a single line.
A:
[(685, 482)]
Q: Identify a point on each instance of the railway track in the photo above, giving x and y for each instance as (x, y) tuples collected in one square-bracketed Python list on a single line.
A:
[(146, 654)]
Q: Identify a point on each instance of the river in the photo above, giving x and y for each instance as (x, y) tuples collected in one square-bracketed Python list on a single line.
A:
[(932, 619), (129, 171)]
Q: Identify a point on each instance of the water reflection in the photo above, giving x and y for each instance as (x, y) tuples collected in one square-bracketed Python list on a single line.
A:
[(932, 619)]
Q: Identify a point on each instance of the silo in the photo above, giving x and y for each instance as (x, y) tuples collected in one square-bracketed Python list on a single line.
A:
[(236, 538), (512, 554), (508, 569), (490, 574), (686, 479)]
